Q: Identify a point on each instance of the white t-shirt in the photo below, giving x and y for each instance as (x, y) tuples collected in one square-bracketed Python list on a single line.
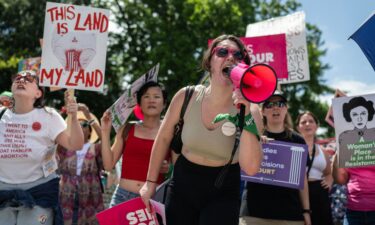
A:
[(26, 141)]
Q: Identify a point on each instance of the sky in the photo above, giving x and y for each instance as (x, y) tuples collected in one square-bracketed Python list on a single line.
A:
[(338, 19)]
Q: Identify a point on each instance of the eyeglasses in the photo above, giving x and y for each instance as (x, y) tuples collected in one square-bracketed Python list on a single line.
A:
[(270, 105), (224, 52), (27, 75)]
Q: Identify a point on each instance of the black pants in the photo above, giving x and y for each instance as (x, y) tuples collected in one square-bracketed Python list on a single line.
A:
[(194, 200), (320, 204)]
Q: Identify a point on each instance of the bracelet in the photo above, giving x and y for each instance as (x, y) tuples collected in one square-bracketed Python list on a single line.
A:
[(306, 211), (250, 126), (155, 182), (91, 122)]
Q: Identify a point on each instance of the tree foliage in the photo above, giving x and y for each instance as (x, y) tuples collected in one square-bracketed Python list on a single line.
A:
[(171, 32)]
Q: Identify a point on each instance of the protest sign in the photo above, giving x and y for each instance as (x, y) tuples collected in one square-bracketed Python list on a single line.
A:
[(74, 47), (355, 130), (293, 26), (133, 212), (30, 64), (124, 105), (270, 50), (284, 164)]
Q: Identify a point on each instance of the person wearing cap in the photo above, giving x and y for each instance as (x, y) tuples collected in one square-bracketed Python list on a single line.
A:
[(269, 204), (6, 99), (133, 142), (80, 185), (29, 132)]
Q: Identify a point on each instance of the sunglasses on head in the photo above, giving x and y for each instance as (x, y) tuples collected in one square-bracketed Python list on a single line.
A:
[(224, 52), (27, 75), (270, 105)]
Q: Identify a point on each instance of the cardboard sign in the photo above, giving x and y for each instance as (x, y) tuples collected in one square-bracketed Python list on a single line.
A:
[(133, 212), (284, 164), (124, 105), (293, 26), (355, 130), (74, 47)]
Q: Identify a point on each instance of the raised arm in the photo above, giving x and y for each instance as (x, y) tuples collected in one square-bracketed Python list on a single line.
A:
[(72, 137), (250, 149), (110, 154), (83, 107)]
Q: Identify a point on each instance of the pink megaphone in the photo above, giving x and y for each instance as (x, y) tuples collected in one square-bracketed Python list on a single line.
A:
[(256, 83)]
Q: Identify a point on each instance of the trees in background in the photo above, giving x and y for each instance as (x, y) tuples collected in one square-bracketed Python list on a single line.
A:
[(171, 32)]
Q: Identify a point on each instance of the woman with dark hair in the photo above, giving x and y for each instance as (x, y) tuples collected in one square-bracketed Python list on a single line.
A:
[(195, 197), (318, 171), (134, 142), (270, 204), (360, 181), (28, 134)]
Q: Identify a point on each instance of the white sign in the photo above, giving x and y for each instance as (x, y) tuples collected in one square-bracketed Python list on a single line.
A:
[(74, 47), (355, 130), (124, 105), (293, 26)]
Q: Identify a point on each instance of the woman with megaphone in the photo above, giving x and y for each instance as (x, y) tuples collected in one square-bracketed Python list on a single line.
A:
[(205, 187)]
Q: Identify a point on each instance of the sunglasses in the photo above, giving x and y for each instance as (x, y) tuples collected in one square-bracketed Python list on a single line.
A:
[(85, 124), (270, 105), (27, 75), (224, 52)]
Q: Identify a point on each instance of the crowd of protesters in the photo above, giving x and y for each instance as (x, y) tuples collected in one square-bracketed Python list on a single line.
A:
[(56, 175)]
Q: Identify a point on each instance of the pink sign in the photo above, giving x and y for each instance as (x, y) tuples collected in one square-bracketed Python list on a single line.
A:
[(132, 212), (270, 50)]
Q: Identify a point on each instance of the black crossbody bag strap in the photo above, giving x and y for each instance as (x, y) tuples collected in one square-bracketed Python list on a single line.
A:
[(188, 93), (221, 176), (2, 112)]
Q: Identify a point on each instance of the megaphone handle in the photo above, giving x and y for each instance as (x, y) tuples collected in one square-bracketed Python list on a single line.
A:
[(241, 118)]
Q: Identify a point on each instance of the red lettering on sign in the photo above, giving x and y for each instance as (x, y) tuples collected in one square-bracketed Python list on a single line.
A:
[(95, 21)]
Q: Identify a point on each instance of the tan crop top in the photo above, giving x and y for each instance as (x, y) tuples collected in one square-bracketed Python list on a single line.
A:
[(212, 144)]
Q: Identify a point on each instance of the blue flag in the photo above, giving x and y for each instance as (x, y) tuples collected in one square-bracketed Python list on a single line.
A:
[(365, 38)]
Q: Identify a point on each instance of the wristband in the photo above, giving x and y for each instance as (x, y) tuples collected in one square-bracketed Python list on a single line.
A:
[(250, 126)]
